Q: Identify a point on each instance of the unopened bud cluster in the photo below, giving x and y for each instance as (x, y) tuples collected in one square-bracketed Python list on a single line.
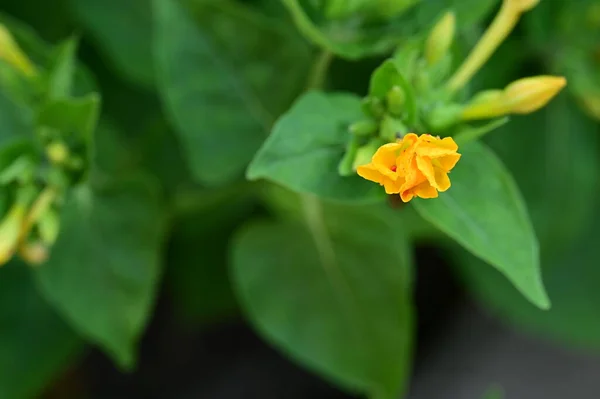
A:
[(414, 92), (36, 170)]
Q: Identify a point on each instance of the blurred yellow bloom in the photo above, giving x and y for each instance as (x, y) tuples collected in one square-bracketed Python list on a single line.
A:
[(10, 232), (12, 54), (522, 96), (414, 166), (34, 253)]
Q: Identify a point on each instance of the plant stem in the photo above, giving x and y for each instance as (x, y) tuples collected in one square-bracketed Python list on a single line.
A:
[(501, 26), (318, 75)]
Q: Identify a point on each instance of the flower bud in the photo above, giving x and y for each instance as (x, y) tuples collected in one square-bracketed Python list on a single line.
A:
[(391, 129), (34, 253), (57, 152), (12, 54), (373, 106), (363, 128), (395, 101), (440, 39), (523, 96), (10, 232), (365, 153), (530, 94), (345, 165)]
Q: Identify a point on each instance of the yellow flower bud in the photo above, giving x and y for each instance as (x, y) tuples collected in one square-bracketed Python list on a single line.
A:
[(10, 232), (522, 96), (34, 253), (530, 94), (57, 152), (12, 54), (440, 39), (41, 205)]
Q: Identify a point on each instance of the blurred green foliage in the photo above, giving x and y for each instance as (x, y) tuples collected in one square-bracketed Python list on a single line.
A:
[(211, 148)]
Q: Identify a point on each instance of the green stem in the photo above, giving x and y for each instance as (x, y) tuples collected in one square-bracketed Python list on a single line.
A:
[(501, 26), (476, 133), (316, 79)]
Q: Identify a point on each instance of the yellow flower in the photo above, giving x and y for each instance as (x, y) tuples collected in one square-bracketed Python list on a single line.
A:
[(414, 166)]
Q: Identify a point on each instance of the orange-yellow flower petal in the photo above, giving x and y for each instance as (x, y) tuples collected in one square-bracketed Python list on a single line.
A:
[(423, 190), (415, 166)]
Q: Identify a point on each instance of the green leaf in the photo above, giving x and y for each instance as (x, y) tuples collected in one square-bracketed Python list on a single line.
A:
[(62, 71), (560, 181), (103, 271), (221, 84), (123, 31), (484, 212), (16, 122), (384, 78), (134, 134), (35, 344), (359, 36), (387, 76), (71, 115), (557, 167), (334, 295), (199, 285), (44, 55), (306, 145), (572, 282)]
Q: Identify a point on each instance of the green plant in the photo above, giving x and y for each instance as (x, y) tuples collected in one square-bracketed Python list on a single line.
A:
[(226, 150)]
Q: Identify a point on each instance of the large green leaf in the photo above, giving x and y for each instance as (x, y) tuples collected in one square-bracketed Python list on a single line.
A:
[(16, 121), (559, 170), (35, 344), (77, 116), (103, 271), (306, 145), (123, 29), (557, 167), (49, 60), (61, 74), (334, 294), (222, 79), (199, 285), (484, 212), (572, 282), (356, 36), (134, 134)]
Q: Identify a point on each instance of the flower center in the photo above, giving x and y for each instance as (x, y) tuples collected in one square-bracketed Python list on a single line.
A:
[(393, 168)]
